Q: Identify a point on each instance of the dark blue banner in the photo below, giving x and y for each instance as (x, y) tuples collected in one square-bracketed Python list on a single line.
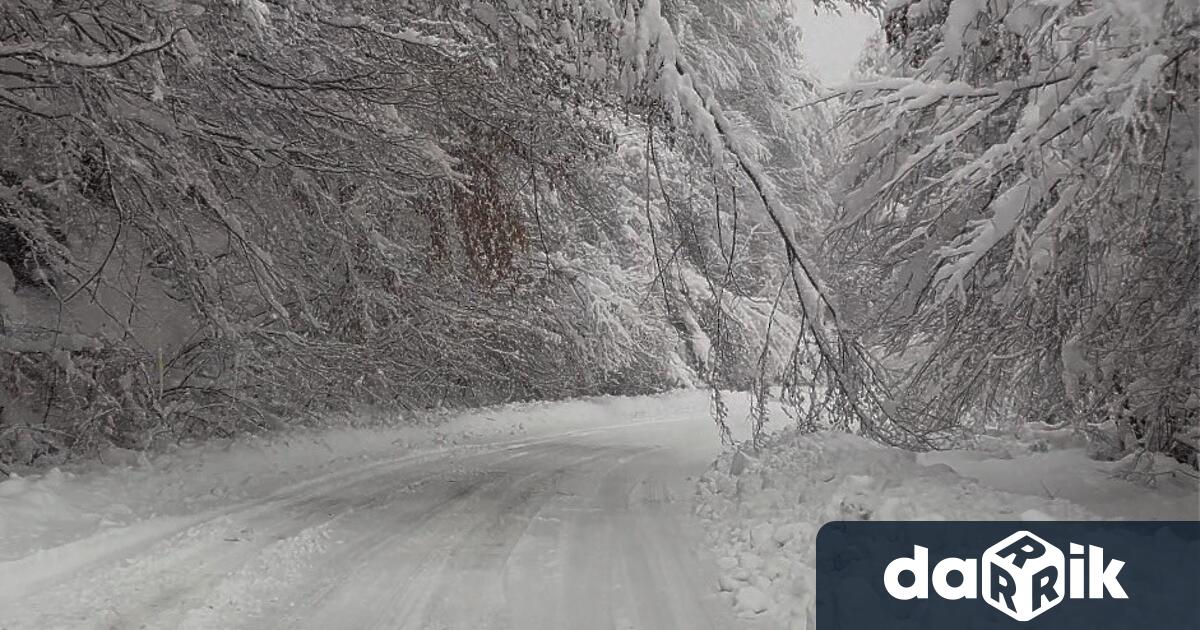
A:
[(1008, 575)]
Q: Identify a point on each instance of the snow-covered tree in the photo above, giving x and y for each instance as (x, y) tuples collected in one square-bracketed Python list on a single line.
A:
[(1023, 198), (219, 214)]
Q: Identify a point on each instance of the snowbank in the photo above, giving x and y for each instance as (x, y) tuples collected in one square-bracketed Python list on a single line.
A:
[(761, 513), (1057, 465)]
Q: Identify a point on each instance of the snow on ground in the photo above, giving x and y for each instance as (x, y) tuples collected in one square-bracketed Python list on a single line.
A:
[(550, 514), (124, 488), (1055, 464), (547, 515), (762, 512)]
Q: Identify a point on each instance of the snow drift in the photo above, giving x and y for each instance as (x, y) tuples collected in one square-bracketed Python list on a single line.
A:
[(762, 511)]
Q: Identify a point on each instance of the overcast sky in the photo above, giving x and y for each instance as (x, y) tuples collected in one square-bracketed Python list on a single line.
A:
[(833, 42)]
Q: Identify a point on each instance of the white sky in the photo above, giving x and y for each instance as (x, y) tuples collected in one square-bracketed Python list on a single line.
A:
[(833, 42)]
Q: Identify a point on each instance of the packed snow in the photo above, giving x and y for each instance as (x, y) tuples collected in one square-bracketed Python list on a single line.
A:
[(543, 515)]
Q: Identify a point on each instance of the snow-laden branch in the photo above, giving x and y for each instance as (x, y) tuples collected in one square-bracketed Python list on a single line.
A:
[(407, 35), (90, 60), (1038, 163), (687, 97), (692, 105)]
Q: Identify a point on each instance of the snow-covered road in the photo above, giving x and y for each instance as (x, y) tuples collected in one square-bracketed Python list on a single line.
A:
[(581, 529)]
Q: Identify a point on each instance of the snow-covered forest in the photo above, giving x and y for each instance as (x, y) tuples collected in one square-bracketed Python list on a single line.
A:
[(230, 216), (227, 220)]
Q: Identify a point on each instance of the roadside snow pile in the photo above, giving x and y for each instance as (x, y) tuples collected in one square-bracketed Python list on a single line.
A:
[(1061, 463), (762, 513), (30, 507)]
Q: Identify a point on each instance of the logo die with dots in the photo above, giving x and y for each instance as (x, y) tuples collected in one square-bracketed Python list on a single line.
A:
[(1022, 576)]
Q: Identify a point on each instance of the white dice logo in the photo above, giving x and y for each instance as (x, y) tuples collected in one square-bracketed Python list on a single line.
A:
[(1023, 576)]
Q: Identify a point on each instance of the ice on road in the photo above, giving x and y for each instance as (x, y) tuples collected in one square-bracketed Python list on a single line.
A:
[(582, 529)]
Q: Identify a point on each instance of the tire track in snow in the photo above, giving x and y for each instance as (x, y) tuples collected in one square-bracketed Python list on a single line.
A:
[(573, 531), (160, 583)]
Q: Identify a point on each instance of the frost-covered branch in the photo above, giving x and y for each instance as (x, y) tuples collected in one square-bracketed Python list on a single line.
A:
[(1021, 171)]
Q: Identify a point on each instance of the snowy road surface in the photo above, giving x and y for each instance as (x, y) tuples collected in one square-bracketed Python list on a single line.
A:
[(584, 529)]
